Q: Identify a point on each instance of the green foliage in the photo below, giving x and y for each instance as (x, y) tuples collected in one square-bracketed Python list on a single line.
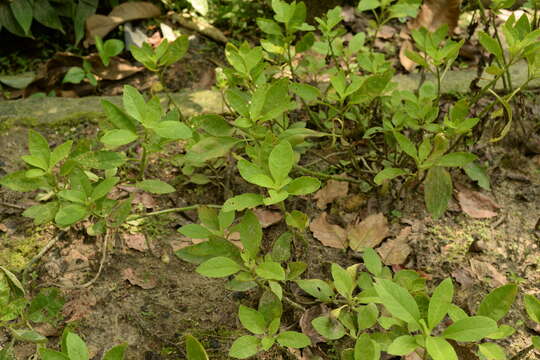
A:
[(108, 49), (74, 348)]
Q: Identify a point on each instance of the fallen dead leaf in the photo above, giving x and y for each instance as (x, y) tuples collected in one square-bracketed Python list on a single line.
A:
[(135, 241), (305, 323), (145, 200), (332, 190), (117, 69), (386, 32), (146, 282), (267, 217), (47, 329), (200, 25), (155, 39), (328, 234), (436, 13), (407, 63), (464, 277), (415, 355), (396, 251), (101, 25), (368, 233), (3, 228), (483, 270), (476, 204)]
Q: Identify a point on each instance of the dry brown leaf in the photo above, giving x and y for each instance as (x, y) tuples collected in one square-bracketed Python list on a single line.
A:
[(305, 323), (199, 25), (266, 217), (418, 354), (100, 25), (155, 39), (328, 234), (483, 270), (436, 13), (332, 190), (477, 205), (368, 233), (396, 251), (146, 281), (464, 277), (386, 32), (407, 63), (117, 69), (47, 329), (135, 241), (145, 200)]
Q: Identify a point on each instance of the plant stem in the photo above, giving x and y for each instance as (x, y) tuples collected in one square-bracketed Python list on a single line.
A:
[(328, 177), (144, 160), (171, 210)]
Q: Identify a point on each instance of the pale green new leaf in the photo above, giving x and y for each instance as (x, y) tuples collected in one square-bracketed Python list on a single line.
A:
[(218, 267), (440, 349), (397, 301)]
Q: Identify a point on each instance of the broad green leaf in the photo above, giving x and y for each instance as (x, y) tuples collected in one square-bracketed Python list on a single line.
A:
[(48, 354), (297, 219), (253, 174), (367, 316), (155, 186), (118, 137), (76, 348), (103, 188), (403, 345), (252, 320), (74, 75), (316, 288), (532, 306), (194, 349), (397, 301), (218, 267), (47, 15), (406, 145), (18, 181), (42, 213), (456, 159), (134, 103), (331, 329), (195, 231), (372, 261), (440, 349), (502, 332), (36, 161), (456, 313), (437, 191), (293, 339), (490, 44), (305, 91), (536, 342), (118, 352), (343, 281), (281, 250), (303, 185), (210, 148), (244, 347), (22, 11), (271, 270), (471, 329), (28, 336), (477, 173), (118, 117), (175, 51), (305, 43), (366, 349), (497, 303), (365, 5), (172, 130), (388, 174), (440, 302), (70, 214), (61, 152), (206, 250), (280, 161), (492, 351), (239, 101), (250, 233), (295, 269), (38, 145), (242, 202), (269, 26)]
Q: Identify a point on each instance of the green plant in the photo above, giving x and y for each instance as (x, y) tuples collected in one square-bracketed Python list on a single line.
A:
[(386, 10), (74, 348), (76, 74), (108, 49)]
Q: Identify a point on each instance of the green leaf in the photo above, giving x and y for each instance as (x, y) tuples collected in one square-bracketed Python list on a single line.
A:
[(281, 250), (365, 5), (38, 145), (316, 288), (305, 43), (103, 188), (118, 352), (456, 159), (47, 15), (74, 75), (210, 148), (536, 342), (498, 302), (331, 329), (403, 345), (280, 161), (388, 174), (218, 267), (42, 213), (76, 348), (504, 331), (28, 336), (440, 302), (268, 26), (477, 173), (48, 354), (366, 349), (113, 47), (303, 185), (372, 261), (155, 186), (305, 91), (76, 196), (293, 339), (397, 301), (250, 233), (343, 281), (201, 6), (252, 320), (206, 250), (61, 152), (406, 145), (244, 347), (297, 219), (490, 44), (118, 137), (134, 103), (270, 270), (242, 202), (22, 11), (118, 117), (175, 51), (253, 174), (70, 214), (18, 181), (195, 231), (492, 351), (471, 329), (367, 316), (83, 10), (194, 349), (37, 161), (440, 349), (173, 130), (532, 306), (239, 101), (437, 191)]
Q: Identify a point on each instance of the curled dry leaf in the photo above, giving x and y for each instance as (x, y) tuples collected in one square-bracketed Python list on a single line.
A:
[(332, 190), (436, 13), (135, 241), (386, 32), (146, 281), (266, 217), (370, 232), (328, 234), (101, 25), (396, 251), (407, 63), (199, 25), (477, 205), (305, 323), (483, 270)]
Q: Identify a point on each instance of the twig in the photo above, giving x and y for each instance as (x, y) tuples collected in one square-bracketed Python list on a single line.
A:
[(43, 251), (521, 354), (12, 205), (171, 210)]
